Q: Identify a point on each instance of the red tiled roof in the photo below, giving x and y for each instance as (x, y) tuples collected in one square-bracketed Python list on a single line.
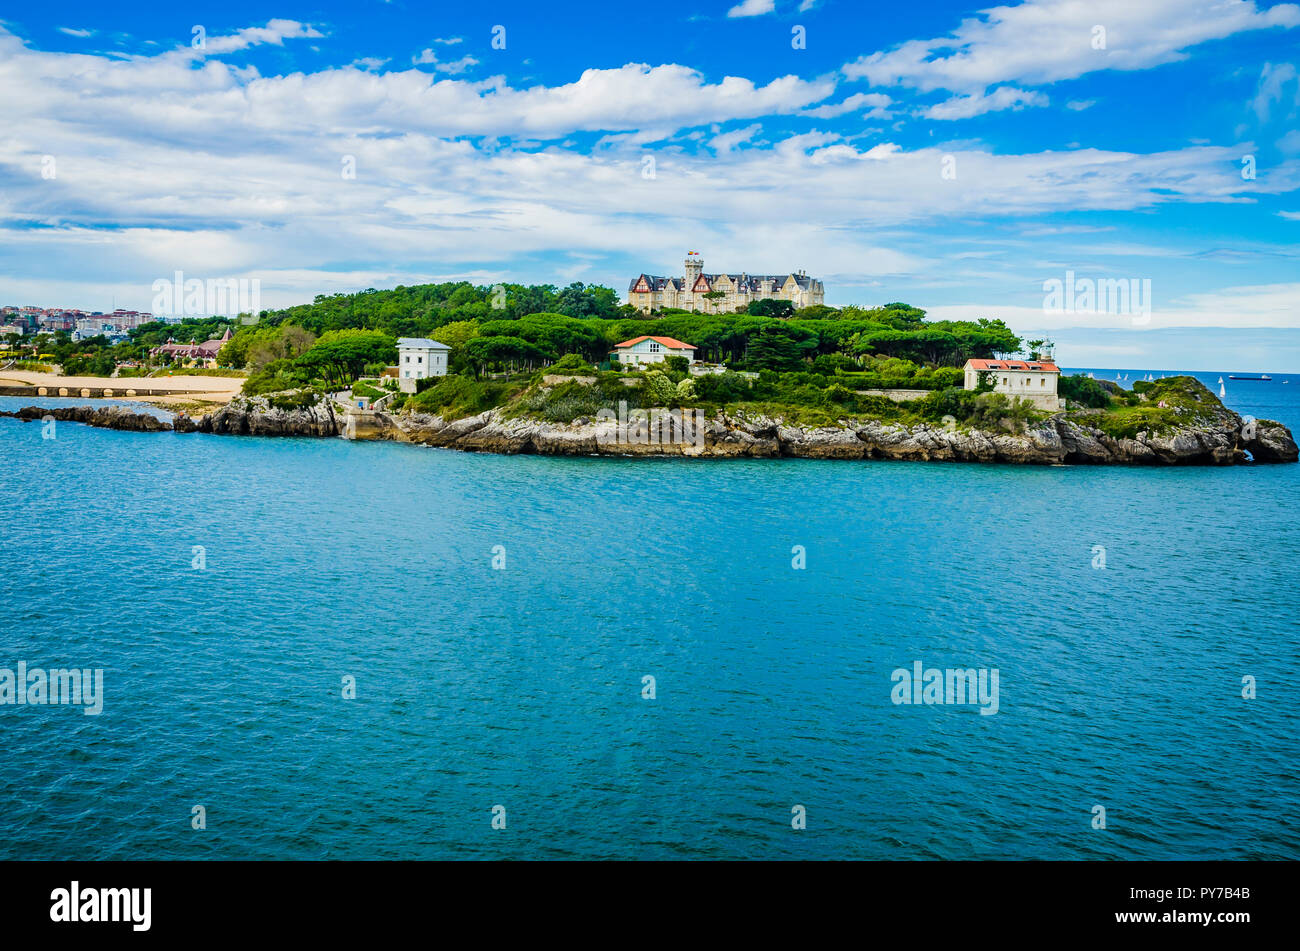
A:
[(668, 342), (1046, 365)]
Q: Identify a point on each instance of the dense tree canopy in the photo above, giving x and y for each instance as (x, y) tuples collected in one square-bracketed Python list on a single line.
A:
[(512, 327), (340, 356)]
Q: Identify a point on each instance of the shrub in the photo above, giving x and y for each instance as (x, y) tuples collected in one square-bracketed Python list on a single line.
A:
[(294, 399), (723, 388), (564, 403), (1087, 391), (273, 377), (571, 361), (1128, 421), (952, 401), (454, 397), (659, 390)]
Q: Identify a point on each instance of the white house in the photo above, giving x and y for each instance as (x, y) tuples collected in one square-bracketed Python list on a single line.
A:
[(641, 350), (1033, 380), (419, 358)]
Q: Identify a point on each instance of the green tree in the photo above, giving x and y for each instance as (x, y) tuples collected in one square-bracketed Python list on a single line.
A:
[(340, 356), (772, 307), (503, 352), (579, 300)]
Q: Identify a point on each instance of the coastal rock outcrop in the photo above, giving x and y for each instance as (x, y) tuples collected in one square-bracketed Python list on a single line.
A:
[(1055, 441), (104, 417), (279, 414), (1269, 442), (1210, 435)]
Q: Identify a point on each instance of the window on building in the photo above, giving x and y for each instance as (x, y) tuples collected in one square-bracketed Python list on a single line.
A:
[(1004, 381), (654, 347), (408, 358), (419, 359)]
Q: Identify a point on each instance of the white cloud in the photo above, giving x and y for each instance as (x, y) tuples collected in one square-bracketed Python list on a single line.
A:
[(166, 162), (369, 62), (1078, 105), (729, 140), (1268, 305), (1290, 215), (1043, 41), (1273, 80), (449, 41), (966, 107), (752, 8), (874, 103), (429, 58), (275, 32), (75, 32)]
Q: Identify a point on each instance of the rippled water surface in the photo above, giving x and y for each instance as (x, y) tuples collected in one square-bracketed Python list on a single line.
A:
[(522, 686)]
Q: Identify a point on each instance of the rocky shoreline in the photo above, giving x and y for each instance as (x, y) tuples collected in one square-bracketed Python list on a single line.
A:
[(102, 417), (1222, 440)]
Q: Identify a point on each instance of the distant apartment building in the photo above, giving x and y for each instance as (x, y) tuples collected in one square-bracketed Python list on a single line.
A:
[(650, 292), (81, 324), (114, 325)]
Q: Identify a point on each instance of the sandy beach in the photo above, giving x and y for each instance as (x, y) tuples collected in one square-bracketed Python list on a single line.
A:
[(169, 392)]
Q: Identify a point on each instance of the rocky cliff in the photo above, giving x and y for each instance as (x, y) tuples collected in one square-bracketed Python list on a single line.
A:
[(281, 414), (1055, 441), (1219, 438), (105, 417)]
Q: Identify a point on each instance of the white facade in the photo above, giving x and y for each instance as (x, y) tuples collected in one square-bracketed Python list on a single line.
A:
[(642, 350), (419, 358), (1033, 380)]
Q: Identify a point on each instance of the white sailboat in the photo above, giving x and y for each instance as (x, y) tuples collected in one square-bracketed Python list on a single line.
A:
[(1222, 391)]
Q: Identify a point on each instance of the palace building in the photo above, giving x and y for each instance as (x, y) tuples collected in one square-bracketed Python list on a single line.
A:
[(650, 292)]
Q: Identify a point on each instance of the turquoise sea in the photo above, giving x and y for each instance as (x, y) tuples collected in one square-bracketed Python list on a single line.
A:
[(521, 686)]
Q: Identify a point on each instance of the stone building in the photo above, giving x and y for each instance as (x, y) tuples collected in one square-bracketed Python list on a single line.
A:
[(650, 292)]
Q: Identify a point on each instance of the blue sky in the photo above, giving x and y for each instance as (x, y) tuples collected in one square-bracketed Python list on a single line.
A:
[(955, 157)]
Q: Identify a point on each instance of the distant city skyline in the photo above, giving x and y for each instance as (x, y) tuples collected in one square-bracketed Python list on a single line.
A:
[(952, 156)]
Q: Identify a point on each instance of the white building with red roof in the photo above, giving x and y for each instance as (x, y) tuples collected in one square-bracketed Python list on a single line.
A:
[(645, 349), (1033, 380)]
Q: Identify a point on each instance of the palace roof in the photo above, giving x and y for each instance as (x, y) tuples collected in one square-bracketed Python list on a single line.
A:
[(750, 282)]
